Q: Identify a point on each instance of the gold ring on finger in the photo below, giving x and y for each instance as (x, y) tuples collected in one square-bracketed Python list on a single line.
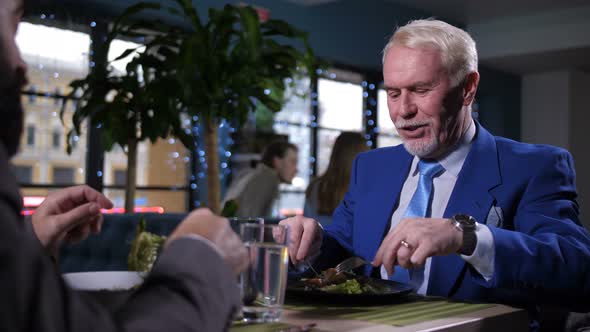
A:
[(405, 244)]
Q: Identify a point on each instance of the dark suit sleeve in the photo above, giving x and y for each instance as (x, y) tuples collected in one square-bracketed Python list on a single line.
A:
[(190, 289), (547, 254), (190, 283)]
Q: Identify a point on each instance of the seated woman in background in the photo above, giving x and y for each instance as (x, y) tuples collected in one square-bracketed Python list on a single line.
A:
[(325, 192)]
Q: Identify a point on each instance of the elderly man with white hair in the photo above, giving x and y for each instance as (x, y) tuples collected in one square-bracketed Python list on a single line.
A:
[(455, 211)]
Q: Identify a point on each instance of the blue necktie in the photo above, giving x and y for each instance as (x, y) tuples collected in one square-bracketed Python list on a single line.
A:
[(419, 206)]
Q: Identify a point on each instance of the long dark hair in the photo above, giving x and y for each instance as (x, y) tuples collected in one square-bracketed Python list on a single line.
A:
[(333, 184)]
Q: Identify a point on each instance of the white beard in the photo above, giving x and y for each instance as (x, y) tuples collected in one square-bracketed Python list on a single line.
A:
[(420, 147)]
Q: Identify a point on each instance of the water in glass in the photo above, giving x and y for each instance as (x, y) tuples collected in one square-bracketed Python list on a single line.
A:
[(263, 284)]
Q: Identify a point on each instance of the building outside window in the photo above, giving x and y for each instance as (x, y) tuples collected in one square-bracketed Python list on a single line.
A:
[(120, 177), (55, 57), (23, 174), (30, 135), (56, 138), (63, 175)]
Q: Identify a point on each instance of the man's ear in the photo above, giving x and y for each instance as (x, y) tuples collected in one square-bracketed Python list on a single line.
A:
[(470, 88)]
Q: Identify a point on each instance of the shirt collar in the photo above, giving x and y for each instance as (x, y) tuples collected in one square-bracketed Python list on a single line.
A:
[(453, 162)]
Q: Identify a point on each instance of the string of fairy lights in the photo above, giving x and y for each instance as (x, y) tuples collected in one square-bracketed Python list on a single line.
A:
[(370, 109)]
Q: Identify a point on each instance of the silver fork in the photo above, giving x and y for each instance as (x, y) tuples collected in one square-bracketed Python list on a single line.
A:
[(350, 264), (308, 263)]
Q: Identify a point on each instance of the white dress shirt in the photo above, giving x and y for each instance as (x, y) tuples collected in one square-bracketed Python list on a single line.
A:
[(482, 258)]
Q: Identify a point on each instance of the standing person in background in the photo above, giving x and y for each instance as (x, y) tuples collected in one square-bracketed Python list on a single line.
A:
[(192, 286), (325, 192), (256, 192)]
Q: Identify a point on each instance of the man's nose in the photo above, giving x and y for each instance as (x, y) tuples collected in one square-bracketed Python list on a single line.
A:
[(407, 107)]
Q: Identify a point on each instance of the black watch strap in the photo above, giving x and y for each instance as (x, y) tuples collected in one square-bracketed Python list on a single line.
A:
[(466, 224), (469, 243)]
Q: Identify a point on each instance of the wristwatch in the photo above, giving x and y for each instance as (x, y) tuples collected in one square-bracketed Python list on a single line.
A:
[(466, 224)]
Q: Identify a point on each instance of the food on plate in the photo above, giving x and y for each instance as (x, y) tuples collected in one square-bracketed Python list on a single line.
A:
[(350, 286), (342, 283), (144, 249), (327, 277)]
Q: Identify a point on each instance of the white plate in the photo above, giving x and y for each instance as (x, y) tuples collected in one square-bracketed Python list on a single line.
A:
[(104, 280)]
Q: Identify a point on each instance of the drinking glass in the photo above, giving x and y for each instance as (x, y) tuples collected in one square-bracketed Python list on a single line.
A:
[(235, 222), (263, 284)]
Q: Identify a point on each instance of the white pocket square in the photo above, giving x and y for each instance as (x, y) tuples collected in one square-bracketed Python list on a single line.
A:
[(495, 217)]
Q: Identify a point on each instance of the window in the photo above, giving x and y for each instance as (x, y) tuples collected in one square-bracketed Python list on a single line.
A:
[(56, 138), (24, 174), (293, 121), (120, 177), (117, 48), (63, 175), (55, 57), (387, 133), (341, 105), (30, 135), (298, 106), (162, 164), (340, 109)]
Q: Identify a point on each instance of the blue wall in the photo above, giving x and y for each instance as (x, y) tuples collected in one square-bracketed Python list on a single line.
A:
[(353, 33), (498, 99), (349, 31)]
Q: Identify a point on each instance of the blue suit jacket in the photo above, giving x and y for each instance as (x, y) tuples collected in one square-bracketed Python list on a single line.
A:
[(528, 192)]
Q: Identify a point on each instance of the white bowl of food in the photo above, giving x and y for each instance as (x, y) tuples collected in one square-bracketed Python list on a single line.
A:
[(103, 280), (110, 288)]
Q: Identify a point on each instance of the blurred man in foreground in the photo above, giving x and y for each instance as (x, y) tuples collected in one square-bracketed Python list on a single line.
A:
[(192, 286)]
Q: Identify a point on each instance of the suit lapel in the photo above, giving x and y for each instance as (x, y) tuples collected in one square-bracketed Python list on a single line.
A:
[(379, 203), (471, 195)]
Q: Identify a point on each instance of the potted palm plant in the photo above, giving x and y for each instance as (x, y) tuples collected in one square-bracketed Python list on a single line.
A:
[(223, 68), (129, 107), (230, 65)]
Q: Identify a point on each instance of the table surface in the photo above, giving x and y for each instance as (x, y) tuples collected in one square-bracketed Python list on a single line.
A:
[(442, 316), (493, 318)]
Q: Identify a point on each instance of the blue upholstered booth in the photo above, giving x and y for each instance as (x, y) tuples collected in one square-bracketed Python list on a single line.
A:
[(108, 250)]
